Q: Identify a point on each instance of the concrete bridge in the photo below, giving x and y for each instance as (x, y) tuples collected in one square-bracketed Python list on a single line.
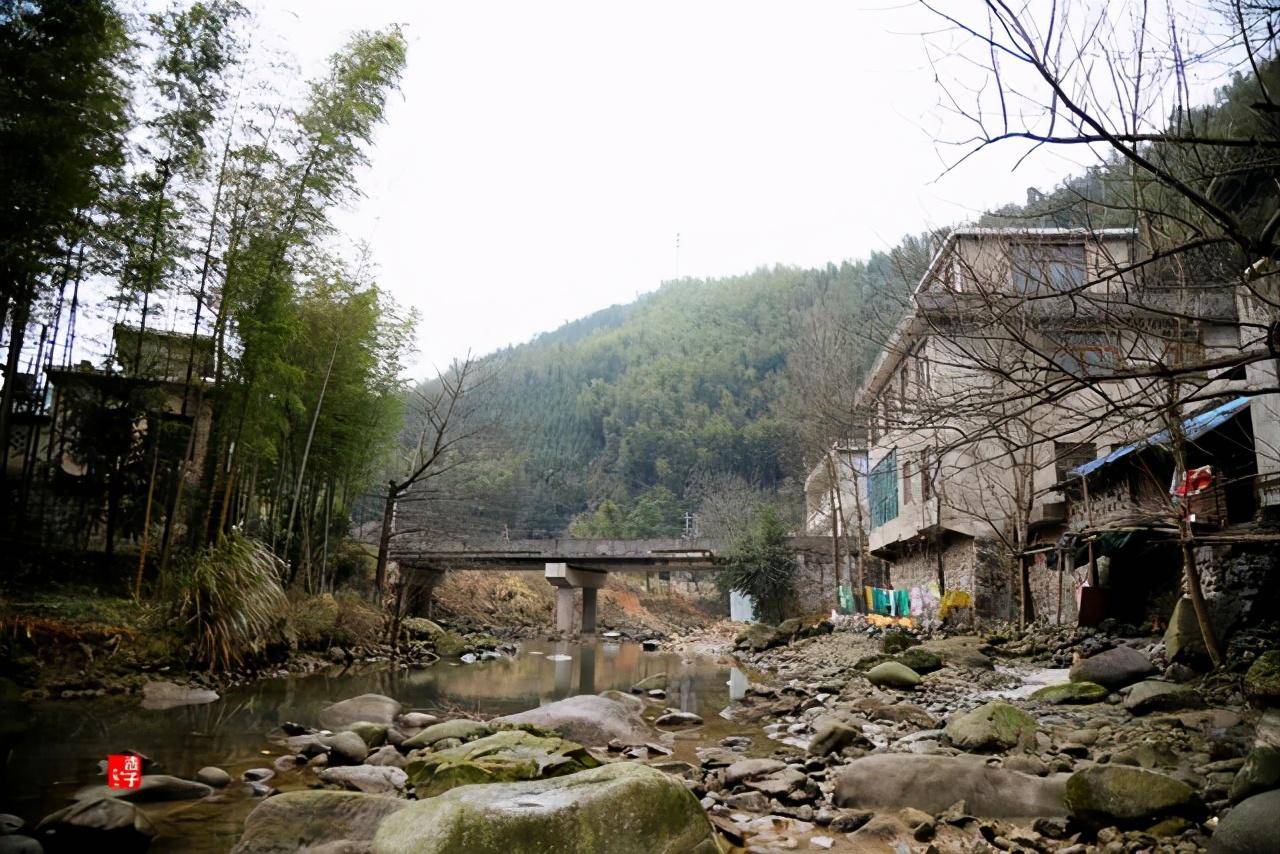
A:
[(573, 564)]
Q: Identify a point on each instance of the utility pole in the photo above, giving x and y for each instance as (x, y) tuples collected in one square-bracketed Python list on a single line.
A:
[(677, 255)]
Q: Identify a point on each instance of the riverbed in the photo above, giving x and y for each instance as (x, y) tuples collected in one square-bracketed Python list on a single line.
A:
[(59, 753)]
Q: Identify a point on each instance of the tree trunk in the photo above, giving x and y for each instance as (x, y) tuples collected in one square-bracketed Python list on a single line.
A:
[(384, 538), (16, 338)]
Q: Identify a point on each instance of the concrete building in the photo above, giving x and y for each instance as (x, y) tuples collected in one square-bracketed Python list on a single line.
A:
[(1004, 374)]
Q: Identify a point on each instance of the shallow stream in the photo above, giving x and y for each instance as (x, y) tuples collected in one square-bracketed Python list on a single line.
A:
[(59, 753)]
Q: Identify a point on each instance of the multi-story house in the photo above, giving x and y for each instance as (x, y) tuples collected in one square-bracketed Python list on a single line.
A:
[(1023, 354)]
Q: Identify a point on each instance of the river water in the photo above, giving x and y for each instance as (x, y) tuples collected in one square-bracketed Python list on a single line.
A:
[(67, 739)]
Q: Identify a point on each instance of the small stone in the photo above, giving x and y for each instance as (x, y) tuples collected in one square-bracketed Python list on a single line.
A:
[(675, 718)]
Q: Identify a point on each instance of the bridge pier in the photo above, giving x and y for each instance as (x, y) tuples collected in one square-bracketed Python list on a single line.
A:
[(567, 579)]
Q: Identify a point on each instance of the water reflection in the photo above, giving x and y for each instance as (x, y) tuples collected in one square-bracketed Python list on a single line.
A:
[(42, 772), (737, 684)]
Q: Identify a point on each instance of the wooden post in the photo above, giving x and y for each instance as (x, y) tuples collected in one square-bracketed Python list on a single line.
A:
[(1022, 591)]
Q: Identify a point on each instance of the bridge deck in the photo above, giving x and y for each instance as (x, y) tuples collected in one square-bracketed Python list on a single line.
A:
[(703, 554)]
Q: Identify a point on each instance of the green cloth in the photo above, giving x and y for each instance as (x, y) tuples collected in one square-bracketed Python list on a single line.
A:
[(845, 598), (902, 599), (881, 599)]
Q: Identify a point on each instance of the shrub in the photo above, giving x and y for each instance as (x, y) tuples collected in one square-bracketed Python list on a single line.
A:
[(760, 565), (230, 600)]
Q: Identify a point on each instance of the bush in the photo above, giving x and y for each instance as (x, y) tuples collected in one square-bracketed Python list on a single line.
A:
[(230, 601), (760, 565)]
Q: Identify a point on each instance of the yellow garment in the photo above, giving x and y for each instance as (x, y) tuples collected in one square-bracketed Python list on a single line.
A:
[(882, 621), (871, 599), (954, 599)]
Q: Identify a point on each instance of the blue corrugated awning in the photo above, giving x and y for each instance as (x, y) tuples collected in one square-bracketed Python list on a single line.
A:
[(1193, 427)]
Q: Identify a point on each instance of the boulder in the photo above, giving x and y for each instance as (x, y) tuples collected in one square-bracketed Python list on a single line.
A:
[(920, 660), (10, 823), (1259, 773), (587, 719), (97, 824), (420, 628), (345, 748), (934, 783), (1114, 668), (386, 756), (896, 640), (372, 779), (417, 720), (1262, 679), (167, 695), (372, 734), (961, 651), (1105, 795), (831, 735), (1071, 693), (503, 757), (779, 784), (213, 776), (374, 708), (462, 729), (293, 821), (1183, 641), (154, 788), (992, 726), (1250, 828), (16, 844), (747, 769), (1154, 696), (622, 808), (904, 713), (756, 637), (891, 674)]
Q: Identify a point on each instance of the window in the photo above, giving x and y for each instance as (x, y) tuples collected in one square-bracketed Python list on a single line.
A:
[(1085, 354), (1047, 267), (906, 481), (1068, 455), (882, 489)]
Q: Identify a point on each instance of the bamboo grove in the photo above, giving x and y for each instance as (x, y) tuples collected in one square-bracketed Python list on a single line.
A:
[(174, 197)]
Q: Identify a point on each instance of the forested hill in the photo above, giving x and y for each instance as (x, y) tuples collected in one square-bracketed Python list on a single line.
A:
[(625, 407)]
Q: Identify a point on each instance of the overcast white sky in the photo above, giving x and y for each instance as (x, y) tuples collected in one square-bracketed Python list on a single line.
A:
[(541, 156)]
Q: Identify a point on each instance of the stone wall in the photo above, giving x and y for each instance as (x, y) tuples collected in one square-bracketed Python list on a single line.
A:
[(995, 571), (1044, 583), (1241, 583)]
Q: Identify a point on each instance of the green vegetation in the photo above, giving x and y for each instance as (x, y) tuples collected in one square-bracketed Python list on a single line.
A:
[(231, 603), (253, 379), (760, 565)]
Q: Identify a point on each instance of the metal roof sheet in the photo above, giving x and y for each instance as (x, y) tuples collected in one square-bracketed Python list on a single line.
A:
[(1194, 427)]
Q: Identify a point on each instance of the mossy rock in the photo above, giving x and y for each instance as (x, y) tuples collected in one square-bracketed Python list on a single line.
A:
[(1259, 773), (891, 674), (1120, 795), (991, 727), (869, 661), (309, 820), (1070, 693), (372, 734), (450, 645), (420, 628), (620, 808), (461, 729), (920, 660), (1262, 679), (755, 637), (896, 640), (504, 757)]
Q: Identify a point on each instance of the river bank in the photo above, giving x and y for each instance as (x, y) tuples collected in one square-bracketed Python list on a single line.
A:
[(807, 736), (69, 642)]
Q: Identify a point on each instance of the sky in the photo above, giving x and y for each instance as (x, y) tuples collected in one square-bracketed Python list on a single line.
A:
[(540, 158)]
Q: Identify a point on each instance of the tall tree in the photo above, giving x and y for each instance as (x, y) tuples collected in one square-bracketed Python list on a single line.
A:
[(65, 108)]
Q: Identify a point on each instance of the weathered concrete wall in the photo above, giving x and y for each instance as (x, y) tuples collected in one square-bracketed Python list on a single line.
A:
[(1241, 583)]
